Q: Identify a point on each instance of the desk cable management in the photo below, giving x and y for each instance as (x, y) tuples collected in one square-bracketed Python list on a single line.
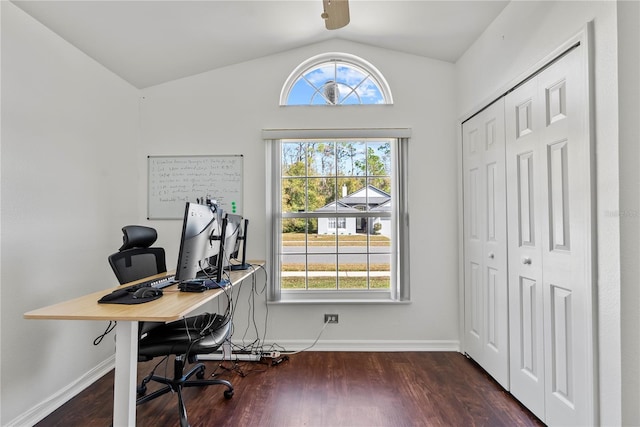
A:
[(257, 347), (112, 323), (277, 353)]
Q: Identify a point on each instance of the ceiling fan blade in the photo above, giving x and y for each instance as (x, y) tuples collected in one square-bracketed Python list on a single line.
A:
[(336, 13)]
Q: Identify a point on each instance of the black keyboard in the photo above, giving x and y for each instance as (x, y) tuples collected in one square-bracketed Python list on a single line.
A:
[(160, 283)]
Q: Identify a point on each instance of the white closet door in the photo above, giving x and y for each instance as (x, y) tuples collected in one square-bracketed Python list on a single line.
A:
[(486, 299), (525, 192), (568, 310), (550, 282)]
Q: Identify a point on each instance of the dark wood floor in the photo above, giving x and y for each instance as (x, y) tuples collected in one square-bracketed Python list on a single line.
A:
[(322, 389)]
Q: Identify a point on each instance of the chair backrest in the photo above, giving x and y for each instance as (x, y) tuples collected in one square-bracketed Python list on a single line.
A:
[(136, 259)]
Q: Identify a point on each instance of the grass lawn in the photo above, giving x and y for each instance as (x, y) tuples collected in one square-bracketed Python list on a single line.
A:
[(330, 283), (296, 239), (332, 267)]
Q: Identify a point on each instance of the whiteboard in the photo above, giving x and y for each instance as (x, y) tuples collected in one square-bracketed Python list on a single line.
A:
[(175, 180)]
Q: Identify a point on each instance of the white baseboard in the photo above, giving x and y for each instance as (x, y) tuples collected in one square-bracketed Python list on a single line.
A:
[(336, 345), (366, 345), (46, 407)]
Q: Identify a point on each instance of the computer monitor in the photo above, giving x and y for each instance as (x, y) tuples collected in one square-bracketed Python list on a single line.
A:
[(231, 236), (197, 241), (232, 232), (241, 264), (212, 272)]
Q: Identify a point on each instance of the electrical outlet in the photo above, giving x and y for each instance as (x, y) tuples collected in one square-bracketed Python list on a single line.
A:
[(330, 318)]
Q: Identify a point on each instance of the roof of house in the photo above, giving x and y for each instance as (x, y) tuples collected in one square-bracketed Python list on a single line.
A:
[(341, 207), (370, 196)]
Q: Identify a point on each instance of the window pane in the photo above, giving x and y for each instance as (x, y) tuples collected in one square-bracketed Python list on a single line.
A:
[(322, 271), (293, 258), (379, 276), (294, 157), (294, 195), (381, 229), (370, 92), (347, 187), (317, 190), (351, 158), (323, 78), (296, 280), (351, 98), (349, 75), (324, 161), (321, 243), (379, 159), (300, 93), (355, 199), (352, 243), (294, 232), (381, 183), (353, 271), (320, 74), (377, 200), (380, 249)]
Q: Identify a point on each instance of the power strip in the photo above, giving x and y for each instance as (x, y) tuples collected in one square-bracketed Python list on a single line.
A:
[(271, 354), (244, 357)]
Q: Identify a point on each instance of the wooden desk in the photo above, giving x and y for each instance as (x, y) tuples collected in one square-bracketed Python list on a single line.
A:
[(173, 305)]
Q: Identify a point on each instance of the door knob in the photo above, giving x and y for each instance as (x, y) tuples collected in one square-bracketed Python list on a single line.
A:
[(491, 255), (526, 260)]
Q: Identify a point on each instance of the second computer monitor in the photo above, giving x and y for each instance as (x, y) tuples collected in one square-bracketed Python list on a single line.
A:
[(232, 236), (236, 262), (196, 241)]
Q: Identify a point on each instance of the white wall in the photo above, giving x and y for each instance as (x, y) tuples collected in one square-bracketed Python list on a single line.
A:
[(68, 185), (523, 34), (629, 128), (224, 111)]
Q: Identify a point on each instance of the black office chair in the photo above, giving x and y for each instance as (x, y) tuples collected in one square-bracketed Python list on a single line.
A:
[(136, 258), (185, 338)]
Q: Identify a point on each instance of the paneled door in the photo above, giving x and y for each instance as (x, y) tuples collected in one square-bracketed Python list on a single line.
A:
[(549, 243), (485, 242)]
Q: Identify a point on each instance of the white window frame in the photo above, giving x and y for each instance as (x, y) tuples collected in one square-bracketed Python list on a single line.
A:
[(399, 289)]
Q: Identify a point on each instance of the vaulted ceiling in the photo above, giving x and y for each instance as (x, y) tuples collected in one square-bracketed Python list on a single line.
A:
[(151, 42)]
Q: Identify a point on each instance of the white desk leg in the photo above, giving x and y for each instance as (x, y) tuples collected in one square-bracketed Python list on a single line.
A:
[(124, 389)]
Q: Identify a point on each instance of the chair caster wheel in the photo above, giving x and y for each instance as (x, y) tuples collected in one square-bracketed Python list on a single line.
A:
[(228, 394), (200, 374), (141, 390)]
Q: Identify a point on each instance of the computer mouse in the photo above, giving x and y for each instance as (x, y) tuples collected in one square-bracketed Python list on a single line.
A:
[(147, 292)]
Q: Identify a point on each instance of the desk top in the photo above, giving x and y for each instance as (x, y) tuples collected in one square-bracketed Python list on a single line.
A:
[(171, 306)]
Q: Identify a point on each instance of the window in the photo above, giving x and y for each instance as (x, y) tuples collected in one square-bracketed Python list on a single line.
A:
[(336, 225), (335, 79), (338, 214)]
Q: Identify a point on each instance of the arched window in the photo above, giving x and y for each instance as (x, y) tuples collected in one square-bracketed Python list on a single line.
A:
[(335, 79)]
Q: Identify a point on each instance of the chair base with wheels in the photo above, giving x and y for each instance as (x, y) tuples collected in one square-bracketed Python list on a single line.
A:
[(176, 385), (206, 333)]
